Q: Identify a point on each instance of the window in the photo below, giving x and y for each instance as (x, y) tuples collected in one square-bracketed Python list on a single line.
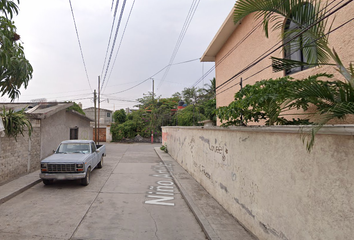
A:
[(93, 147), (301, 48), (108, 115), (74, 133)]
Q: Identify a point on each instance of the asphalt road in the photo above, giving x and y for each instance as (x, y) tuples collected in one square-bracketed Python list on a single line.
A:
[(131, 197)]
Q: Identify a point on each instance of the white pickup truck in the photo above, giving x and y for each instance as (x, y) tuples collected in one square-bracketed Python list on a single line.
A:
[(73, 159)]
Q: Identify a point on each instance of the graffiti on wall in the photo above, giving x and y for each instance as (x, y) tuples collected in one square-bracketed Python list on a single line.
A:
[(219, 150)]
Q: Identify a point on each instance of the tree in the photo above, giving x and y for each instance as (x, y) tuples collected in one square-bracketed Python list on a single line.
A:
[(189, 116), (177, 95), (303, 25), (146, 102), (207, 100), (15, 69), (119, 116), (190, 95), (308, 19), (76, 108)]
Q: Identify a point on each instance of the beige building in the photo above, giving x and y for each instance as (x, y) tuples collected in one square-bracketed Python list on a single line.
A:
[(52, 123), (104, 119), (235, 46)]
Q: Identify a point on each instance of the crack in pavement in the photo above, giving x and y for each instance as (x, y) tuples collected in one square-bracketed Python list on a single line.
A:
[(156, 228)]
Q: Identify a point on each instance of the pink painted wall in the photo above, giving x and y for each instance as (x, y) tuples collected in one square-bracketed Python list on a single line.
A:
[(341, 40)]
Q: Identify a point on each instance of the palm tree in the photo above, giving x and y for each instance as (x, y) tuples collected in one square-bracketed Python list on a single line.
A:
[(303, 25)]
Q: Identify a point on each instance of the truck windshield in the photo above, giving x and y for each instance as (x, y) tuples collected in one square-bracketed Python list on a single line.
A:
[(65, 148)]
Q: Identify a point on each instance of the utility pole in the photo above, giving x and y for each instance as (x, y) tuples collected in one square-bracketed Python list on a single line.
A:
[(99, 101), (94, 102), (152, 108)]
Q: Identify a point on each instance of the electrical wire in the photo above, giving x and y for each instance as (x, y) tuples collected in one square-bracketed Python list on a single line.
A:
[(110, 35), (53, 93), (130, 87), (193, 8), (154, 75), (228, 53), (333, 30), (282, 40), (120, 43), (241, 41), (112, 5), (78, 38), (282, 45), (122, 100), (114, 41)]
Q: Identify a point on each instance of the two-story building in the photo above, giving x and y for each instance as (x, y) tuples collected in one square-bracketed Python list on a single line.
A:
[(104, 120), (238, 45)]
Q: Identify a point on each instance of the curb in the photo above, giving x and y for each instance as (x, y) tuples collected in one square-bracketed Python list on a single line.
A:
[(21, 190), (18, 186), (203, 222)]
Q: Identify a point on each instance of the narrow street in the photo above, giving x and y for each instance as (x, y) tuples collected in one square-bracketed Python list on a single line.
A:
[(131, 197)]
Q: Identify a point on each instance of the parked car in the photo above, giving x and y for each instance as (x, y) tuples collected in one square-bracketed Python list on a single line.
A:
[(73, 159)]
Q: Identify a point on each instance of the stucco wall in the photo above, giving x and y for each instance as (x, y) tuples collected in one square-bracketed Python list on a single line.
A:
[(269, 182), (103, 118), (21, 156), (56, 128)]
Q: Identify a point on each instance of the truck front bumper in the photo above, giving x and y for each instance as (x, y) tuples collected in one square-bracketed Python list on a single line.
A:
[(62, 176)]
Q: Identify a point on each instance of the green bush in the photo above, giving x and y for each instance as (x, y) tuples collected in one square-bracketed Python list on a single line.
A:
[(269, 100), (15, 122)]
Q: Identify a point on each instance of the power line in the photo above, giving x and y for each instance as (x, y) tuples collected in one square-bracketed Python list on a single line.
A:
[(188, 61), (240, 42), (190, 15), (120, 43), (110, 34), (114, 41), (112, 5), (173, 65), (333, 30), (78, 39), (84, 90), (130, 87), (122, 100), (228, 53), (255, 62), (291, 39)]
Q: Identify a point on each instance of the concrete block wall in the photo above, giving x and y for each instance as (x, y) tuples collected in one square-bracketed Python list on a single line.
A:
[(267, 180), (19, 157)]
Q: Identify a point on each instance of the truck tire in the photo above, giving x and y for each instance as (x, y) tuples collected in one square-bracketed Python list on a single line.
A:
[(86, 181), (47, 181), (100, 164)]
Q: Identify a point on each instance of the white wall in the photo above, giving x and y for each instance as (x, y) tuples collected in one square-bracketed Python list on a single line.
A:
[(266, 179)]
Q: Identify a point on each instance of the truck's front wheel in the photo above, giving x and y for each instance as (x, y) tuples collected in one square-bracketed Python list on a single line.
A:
[(85, 181), (47, 181)]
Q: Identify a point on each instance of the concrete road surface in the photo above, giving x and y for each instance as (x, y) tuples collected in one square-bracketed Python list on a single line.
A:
[(131, 197)]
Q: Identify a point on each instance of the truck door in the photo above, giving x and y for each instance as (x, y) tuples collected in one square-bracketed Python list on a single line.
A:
[(95, 155)]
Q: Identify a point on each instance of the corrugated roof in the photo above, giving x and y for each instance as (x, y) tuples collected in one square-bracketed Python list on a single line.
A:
[(38, 110)]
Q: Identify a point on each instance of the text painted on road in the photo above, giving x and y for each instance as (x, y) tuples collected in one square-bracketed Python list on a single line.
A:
[(163, 193)]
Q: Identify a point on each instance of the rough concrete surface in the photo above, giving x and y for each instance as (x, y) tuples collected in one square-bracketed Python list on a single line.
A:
[(123, 201)]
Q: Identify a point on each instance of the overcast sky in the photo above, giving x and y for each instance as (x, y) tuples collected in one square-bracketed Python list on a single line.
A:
[(48, 35)]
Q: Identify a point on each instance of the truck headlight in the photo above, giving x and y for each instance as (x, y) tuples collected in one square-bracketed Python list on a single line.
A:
[(44, 167), (80, 167)]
